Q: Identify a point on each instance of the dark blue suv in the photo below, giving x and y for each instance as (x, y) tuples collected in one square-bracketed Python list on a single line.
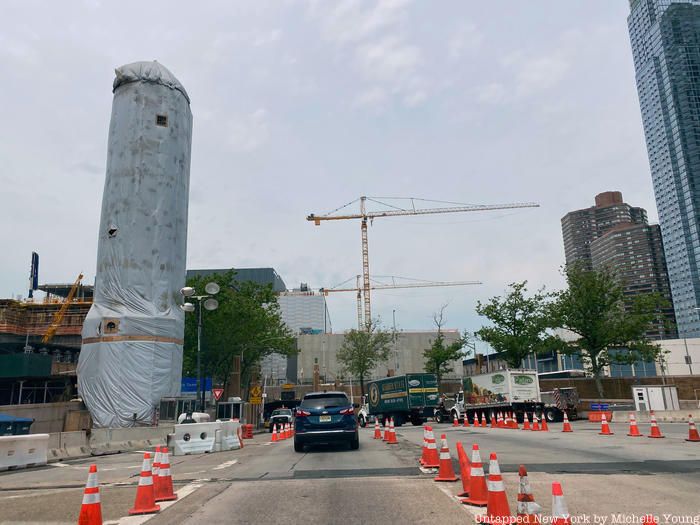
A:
[(325, 417)]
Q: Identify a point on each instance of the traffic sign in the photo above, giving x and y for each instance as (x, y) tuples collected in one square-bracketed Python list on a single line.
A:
[(218, 392), (255, 397)]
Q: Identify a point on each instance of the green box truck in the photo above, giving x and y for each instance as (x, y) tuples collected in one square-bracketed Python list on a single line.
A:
[(411, 397)]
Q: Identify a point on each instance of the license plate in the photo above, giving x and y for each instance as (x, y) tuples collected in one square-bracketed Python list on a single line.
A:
[(324, 419)]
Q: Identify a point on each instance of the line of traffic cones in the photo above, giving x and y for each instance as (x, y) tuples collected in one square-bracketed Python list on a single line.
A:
[(155, 485)]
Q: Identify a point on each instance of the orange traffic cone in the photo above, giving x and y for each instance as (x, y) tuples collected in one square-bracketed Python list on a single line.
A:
[(424, 452), (634, 429), (567, 425), (274, 433), (455, 422), (604, 427), (464, 467), (432, 459), (545, 427), (478, 493), (289, 430), (386, 430), (392, 433), (528, 512), (692, 431), (145, 496), (493, 420), (535, 422), (466, 420), (476, 419), (164, 489), (560, 512), (497, 509), (155, 468), (483, 420), (655, 430), (446, 472), (377, 430), (91, 509), (514, 422), (526, 422)]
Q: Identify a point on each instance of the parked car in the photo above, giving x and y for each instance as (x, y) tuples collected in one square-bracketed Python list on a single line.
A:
[(325, 417), (279, 417)]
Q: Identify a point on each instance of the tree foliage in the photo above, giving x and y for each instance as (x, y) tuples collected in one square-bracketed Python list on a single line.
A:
[(610, 327), (246, 323), (519, 323), (362, 350), (439, 358)]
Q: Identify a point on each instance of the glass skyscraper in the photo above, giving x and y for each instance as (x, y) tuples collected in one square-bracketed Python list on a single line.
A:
[(665, 37)]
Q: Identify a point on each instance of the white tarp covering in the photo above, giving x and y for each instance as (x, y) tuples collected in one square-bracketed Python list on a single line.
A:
[(131, 354)]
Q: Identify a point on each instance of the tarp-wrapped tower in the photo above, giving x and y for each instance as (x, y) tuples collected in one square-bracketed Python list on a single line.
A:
[(131, 353)]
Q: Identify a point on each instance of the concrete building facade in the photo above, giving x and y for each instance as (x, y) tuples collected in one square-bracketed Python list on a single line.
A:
[(666, 53), (406, 356)]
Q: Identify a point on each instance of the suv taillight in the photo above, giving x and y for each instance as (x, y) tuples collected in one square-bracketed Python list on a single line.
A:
[(347, 411), (302, 413)]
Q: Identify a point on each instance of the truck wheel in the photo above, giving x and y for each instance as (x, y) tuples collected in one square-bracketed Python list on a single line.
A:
[(438, 417), (417, 421), (552, 415), (362, 421)]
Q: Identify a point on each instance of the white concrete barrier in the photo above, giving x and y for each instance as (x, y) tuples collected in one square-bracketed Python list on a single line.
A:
[(63, 445), (114, 440), (193, 438), (23, 451), (227, 436)]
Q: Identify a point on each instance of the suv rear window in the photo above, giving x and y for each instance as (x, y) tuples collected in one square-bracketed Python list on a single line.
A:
[(325, 401)]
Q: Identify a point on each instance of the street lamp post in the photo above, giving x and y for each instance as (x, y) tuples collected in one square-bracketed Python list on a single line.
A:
[(210, 304)]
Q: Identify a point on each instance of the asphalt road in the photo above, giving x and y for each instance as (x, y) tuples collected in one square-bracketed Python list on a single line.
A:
[(270, 483)]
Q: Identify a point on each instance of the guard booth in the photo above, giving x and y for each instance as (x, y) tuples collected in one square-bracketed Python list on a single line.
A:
[(172, 407), (231, 409), (655, 397)]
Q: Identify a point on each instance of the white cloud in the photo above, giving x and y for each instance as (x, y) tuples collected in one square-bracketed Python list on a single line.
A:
[(250, 132), (388, 59), (537, 74), (493, 93), (371, 97), (355, 20), (467, 38)]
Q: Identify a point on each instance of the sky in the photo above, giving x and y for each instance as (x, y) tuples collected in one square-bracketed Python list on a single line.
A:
[(303, 106)]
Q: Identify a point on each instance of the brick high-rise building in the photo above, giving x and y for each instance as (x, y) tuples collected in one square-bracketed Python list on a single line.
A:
[(581, 227), (615, 235), (665, 38)]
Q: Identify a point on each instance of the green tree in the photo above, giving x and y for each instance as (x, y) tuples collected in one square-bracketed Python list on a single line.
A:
[(610, 327), (362, 350), (519, 323), (247, 323), (439, 358)]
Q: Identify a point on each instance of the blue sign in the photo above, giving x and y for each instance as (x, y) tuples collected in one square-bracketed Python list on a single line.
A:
[(600, 406), (188, 385)]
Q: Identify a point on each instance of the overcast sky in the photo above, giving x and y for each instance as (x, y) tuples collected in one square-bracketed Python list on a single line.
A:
[(302, 107)]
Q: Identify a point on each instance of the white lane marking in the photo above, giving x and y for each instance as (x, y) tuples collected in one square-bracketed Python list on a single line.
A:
[(474, 511), (138, 520), (226, 464)]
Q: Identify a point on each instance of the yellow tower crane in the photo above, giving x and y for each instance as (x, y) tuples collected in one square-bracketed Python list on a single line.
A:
[(60, 314), (396, 211), (394, 286)]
